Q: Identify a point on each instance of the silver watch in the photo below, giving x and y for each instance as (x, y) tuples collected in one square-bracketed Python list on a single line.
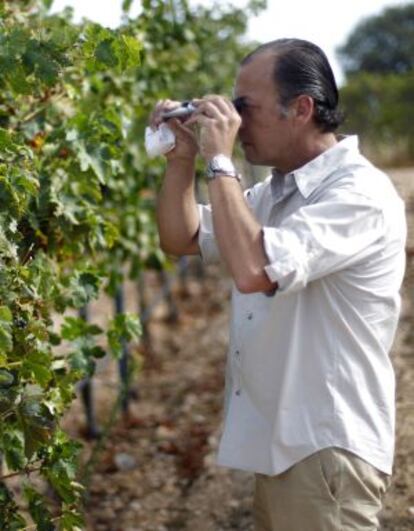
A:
[(221, 165)]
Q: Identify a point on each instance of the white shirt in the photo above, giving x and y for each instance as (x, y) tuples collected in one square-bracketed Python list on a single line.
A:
[(309, 367)]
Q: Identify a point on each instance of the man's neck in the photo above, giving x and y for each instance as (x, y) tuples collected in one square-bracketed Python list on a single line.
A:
[(309, 149)]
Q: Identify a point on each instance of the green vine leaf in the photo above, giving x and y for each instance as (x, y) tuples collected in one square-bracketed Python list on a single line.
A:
[(36, 366), (6, 339), (38, 508), (12, 441), (37, 423), (125, 327)]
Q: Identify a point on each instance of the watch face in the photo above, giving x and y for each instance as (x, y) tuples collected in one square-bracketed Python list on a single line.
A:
[(220, 164)]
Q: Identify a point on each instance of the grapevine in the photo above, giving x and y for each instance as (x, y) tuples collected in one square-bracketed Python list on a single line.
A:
[(77, 197)]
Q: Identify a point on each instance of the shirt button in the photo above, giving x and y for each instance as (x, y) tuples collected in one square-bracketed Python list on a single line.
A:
[(237, 352), (250, 316), (238, 392)]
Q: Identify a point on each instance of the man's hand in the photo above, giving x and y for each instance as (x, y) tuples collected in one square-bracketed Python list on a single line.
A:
[(186, 147), (218, 123)]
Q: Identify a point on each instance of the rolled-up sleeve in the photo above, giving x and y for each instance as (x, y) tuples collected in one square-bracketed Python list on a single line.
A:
[(322, 238), (206, 238)]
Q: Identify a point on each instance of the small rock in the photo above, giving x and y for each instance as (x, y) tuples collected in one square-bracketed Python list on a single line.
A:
[(117, 503), (200, 419), (210, 460), (234, 504), (106, 514), (124, 461), (164, 432), (135, 505)]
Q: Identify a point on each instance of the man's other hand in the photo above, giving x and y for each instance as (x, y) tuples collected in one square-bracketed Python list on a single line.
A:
[(186, 146)]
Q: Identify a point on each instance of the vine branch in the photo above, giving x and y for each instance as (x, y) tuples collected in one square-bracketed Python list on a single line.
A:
[(27, 471), (40, 109)]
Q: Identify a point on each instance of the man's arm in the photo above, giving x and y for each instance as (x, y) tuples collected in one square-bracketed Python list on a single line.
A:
[(177, 213), (238, 234)]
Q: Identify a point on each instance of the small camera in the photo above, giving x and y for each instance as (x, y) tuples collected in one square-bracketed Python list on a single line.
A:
[(186, 108)]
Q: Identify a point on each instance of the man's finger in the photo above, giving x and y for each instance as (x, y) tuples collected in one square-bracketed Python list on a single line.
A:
[(178, 127), (223, 103), (200, 119), (161, 107), (211, 110)]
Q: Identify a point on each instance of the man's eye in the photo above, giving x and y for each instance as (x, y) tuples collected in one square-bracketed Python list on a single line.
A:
[(240, 104)]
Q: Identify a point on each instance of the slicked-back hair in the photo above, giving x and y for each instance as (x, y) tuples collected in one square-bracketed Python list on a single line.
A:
[(301, 67)]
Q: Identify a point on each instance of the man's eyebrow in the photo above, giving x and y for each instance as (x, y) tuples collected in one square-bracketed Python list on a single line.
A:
[(233, 95), (244, 99)]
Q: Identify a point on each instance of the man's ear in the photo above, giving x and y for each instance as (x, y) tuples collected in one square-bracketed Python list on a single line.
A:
[(303, 108)]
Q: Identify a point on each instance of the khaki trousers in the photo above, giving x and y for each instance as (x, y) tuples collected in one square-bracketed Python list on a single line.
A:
[(331, 490)]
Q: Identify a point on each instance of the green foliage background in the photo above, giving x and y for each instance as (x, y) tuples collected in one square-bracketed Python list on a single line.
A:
[(77, 207), (378, 96)]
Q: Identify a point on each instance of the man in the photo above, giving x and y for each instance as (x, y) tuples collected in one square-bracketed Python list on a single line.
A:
[(316, 253)]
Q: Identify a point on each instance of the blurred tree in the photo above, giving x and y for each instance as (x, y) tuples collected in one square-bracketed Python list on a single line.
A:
[(381, 44), (378, 97), (380, 108)]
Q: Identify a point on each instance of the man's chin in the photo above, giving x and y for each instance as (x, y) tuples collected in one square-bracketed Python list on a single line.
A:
[(252, 157)]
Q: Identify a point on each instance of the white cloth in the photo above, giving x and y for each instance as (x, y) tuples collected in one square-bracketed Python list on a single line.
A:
[(160, 141), (309, 367)]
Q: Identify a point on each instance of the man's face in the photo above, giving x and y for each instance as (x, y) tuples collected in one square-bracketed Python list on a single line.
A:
[(266, 134)]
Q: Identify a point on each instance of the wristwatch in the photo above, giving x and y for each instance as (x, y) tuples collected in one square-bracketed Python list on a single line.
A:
[(221, 165)]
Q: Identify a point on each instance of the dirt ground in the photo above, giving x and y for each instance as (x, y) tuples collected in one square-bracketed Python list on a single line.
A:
[(156, 472)]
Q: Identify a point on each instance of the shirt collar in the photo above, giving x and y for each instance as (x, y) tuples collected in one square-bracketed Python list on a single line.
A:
[(310, 175), (281, 185)]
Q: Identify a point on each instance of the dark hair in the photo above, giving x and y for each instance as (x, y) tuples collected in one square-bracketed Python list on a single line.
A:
[(301, 67)]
